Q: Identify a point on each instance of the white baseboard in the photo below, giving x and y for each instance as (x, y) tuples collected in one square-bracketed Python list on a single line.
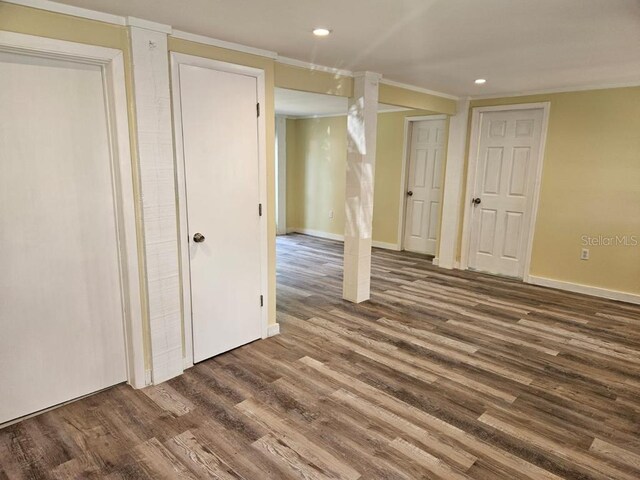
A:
[(340, 238), (385, 245), (585, 289), (273, 330), (319, 234), (435, 261), (187, 363)]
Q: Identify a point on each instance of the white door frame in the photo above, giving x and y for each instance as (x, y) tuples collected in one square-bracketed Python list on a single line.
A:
[(404, 173), (178, 59), (471, 177), (281, 179), (111, 62)]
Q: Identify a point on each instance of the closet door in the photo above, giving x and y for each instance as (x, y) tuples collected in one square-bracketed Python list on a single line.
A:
[(221, 164), (61, 312)]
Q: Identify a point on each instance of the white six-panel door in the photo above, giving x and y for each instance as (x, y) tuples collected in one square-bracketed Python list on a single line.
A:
[(221, 167), (424, 186), (61, 311), (508, 151)]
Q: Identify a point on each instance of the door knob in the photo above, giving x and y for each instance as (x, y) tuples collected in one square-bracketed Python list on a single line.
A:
[(410, 193), (476, 201), (198, 238)]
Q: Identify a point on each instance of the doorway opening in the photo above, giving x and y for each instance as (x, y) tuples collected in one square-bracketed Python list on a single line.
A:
[(223, 249), (424, 164), (503, 188)]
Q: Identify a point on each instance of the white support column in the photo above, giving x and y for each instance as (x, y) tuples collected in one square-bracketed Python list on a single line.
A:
[(157, 183), (362, 122), (281, 179), (453, 194)]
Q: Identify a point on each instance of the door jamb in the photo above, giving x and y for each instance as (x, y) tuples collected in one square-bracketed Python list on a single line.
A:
[(131, 267), (281, 178), (404, 172), (471, 177), (178, 59)]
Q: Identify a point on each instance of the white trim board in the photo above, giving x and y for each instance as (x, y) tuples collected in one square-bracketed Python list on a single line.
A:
[(549, 91), (404, 171), (312, 66), (273, 330), (471, 177), (585, 289), (317, 233), (70, 10), (192, 37), (406, 86), (112, 63), (178, 59), (148, 25), (336, 115), (154, 135), (340, 238), (281, 177), (453, 188)]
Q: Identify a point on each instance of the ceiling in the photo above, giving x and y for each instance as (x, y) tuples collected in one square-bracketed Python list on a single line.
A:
[(443, 45), (293, 103)]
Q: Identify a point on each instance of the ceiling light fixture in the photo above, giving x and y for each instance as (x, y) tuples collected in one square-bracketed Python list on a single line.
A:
[(321, 32), (480, 81)]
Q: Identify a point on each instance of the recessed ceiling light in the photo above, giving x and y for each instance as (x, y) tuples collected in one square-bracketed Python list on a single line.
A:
[(480, 81), (321, 32)]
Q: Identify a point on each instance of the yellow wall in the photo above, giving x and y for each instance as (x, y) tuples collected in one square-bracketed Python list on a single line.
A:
[(316, 81), (317, 169), (590, 186), (393, 95), (316, 163)]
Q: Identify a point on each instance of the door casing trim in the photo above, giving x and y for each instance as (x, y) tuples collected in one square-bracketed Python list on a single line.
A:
[(131, 263), (472, 166), (178, 59)]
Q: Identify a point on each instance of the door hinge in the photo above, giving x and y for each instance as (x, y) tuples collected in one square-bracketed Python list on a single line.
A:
[(258, 108), (260, 209), (261, 301)]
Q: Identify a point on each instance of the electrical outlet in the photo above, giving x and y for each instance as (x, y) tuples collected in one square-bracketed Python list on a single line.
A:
[(330, 213), (584, 254)]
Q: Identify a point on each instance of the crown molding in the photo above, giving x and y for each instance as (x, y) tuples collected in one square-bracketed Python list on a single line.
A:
[(329, 115), (312, 66), (148, 25), (406, 86), (70, 10), (372, 75), (583, 88), (193, 37)]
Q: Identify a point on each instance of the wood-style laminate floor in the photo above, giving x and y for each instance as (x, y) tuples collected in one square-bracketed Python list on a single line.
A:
[(443, 374)]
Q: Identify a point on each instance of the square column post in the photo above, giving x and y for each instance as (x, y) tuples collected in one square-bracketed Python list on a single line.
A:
[(152, 100), (362, 123), (453, 193)]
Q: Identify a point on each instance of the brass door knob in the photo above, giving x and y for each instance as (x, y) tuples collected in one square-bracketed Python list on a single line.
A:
[(198, 238)]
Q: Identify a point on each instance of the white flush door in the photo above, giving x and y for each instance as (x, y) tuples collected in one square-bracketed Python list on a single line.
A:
[(424, 186), (61, 312), (221, 164), (507, 161)]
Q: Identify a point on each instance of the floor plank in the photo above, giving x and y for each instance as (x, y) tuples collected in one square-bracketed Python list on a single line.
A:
[(442, 374)]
